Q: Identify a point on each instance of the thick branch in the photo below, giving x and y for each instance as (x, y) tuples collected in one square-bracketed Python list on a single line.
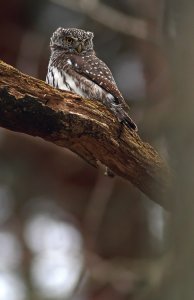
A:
[(120, 22), (86, 127)]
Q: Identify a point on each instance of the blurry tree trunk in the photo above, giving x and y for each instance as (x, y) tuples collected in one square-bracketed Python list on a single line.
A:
[(178, 282)]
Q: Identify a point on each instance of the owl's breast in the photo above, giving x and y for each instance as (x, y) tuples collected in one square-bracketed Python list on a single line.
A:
[(63, 81)]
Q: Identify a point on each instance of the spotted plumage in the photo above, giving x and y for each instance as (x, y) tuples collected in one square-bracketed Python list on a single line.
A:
[(73, 66)]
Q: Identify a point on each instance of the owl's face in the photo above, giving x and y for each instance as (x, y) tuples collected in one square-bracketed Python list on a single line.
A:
[(72, 40)]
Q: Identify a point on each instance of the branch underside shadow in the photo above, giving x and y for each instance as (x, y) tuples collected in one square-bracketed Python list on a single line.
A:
[(86, 127)]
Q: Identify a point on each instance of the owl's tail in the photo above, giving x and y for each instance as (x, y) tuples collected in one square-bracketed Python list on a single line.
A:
[(124, 118), (129, 123)]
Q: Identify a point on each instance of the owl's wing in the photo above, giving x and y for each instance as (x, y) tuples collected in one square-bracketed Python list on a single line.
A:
[(96, 70)]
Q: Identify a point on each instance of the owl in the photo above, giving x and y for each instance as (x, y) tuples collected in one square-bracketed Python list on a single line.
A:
[(74, 66)]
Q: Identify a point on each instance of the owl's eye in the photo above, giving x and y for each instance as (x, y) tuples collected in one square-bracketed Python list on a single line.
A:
[(69, 39)]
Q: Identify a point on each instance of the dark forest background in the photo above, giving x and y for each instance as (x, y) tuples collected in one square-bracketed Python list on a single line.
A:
[(66, 230)]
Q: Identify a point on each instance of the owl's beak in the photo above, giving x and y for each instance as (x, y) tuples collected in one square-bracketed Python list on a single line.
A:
[(79, 48)]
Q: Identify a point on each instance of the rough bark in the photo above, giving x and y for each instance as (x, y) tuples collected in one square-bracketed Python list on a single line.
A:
[(87, 128)]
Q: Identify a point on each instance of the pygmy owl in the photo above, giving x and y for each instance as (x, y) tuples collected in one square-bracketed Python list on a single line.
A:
[(73, 66)]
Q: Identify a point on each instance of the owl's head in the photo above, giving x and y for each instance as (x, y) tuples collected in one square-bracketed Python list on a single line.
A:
[(72, 40)]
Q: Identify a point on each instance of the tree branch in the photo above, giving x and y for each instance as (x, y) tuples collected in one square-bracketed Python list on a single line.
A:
[(85, 127), (120, 22)]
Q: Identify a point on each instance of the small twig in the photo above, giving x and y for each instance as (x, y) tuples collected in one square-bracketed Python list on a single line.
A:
[(97, 207)]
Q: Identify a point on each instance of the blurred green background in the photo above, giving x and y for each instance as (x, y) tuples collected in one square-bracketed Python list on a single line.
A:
[(66, 230)]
